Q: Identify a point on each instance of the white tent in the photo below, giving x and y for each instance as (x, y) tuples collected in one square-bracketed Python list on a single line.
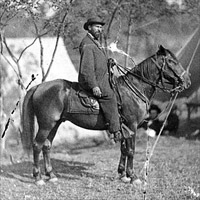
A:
[(62, 66), (29, 63)]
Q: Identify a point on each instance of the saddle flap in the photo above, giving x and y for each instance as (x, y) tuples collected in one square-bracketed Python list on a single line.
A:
[(81, 101)]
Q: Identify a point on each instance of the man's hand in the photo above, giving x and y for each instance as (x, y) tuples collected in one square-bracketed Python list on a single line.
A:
[(111, 62), (96, 91)]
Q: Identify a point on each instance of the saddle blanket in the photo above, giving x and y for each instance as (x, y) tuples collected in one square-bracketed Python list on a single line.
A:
[(81, 101)]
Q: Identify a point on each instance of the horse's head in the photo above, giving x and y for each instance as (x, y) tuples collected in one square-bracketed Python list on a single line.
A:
[(171, 71)]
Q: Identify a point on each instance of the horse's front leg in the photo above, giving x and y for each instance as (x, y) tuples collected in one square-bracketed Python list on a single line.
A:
[(130, 156), (123, 161)]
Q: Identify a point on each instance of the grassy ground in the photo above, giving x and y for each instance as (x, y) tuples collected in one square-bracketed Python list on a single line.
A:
[(91, 173)]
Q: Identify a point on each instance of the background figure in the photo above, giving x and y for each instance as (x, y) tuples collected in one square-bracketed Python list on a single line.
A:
[(152, 122), (172, 123)]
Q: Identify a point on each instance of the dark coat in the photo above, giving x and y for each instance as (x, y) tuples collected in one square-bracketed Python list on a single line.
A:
[(172, 123), (93, 72), (93, 69)]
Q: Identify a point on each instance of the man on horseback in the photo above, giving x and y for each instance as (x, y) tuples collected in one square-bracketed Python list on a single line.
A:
[(94, 75)]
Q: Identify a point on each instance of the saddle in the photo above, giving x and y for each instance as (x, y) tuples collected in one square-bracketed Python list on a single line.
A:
[(88, 101), (81, 101)]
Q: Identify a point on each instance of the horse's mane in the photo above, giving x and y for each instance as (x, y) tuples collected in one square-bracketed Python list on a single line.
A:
[(144, 68), (147, 69)]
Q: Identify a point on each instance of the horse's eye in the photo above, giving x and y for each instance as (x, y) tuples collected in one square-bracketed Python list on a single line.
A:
[(170, 61)]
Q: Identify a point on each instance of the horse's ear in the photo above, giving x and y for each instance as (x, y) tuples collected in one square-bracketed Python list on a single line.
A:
[(161, 49)]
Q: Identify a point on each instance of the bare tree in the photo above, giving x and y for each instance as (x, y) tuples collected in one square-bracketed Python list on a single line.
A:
[(69, 16), (31, 11)]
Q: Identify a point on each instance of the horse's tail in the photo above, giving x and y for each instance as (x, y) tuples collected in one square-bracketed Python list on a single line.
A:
[(28, 121)]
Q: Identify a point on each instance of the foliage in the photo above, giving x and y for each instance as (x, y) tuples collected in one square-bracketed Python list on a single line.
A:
[(38, 12), (41, 18)]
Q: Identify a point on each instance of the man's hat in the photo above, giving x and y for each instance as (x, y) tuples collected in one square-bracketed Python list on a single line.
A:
[(93, 20)]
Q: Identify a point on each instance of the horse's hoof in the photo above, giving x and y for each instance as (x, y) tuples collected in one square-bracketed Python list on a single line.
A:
[(53, 180), (52, 177), (137, 183), (125, 179), (40, 182)]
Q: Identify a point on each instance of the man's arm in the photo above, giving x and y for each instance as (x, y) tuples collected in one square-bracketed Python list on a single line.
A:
[(87, 67)]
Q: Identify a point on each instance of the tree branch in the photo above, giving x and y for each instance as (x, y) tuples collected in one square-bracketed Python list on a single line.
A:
[(56, 45), (41, 46), (16, 62), (110, 22)]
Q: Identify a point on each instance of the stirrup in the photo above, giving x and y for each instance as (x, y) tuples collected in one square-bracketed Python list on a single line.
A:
[(126, 132)]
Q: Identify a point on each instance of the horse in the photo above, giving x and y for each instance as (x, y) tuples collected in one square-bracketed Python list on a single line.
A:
[(47, 102)]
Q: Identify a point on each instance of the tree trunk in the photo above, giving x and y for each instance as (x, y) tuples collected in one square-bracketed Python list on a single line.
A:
[(128, 41)]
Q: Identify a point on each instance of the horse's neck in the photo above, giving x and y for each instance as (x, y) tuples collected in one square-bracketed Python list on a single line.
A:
[(145, 71), (143, 87)]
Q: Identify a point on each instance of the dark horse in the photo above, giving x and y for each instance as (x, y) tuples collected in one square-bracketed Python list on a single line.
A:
[(48, 102)]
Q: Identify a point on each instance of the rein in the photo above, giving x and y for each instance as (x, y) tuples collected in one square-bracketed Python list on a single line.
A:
[(176, 89), (133, 88), (136, 75), (149, 153), (155, 85)]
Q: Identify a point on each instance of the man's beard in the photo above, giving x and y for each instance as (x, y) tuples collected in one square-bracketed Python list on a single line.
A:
[(96, 35)]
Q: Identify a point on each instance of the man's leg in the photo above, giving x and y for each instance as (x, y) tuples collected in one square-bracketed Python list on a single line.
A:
[(110, 109)]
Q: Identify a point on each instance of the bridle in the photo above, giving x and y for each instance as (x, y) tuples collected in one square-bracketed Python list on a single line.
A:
[(163, 72), (156, 84), (162, 68)]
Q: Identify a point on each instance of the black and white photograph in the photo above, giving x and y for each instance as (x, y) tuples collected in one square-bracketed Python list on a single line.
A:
[(100, 99)]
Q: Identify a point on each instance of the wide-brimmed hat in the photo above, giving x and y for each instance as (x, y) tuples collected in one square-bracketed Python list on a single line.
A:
[(93, 20)]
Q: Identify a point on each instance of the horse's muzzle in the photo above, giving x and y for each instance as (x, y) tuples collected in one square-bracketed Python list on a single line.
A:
[(186, 80)]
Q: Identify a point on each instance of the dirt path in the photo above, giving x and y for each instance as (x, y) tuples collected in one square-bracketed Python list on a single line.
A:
[(91, 174)]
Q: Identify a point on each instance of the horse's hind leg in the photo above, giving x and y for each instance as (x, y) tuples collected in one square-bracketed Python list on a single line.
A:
[(37, 148), (46, 154)]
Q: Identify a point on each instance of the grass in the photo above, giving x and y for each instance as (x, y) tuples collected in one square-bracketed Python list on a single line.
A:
[(91, 173)]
